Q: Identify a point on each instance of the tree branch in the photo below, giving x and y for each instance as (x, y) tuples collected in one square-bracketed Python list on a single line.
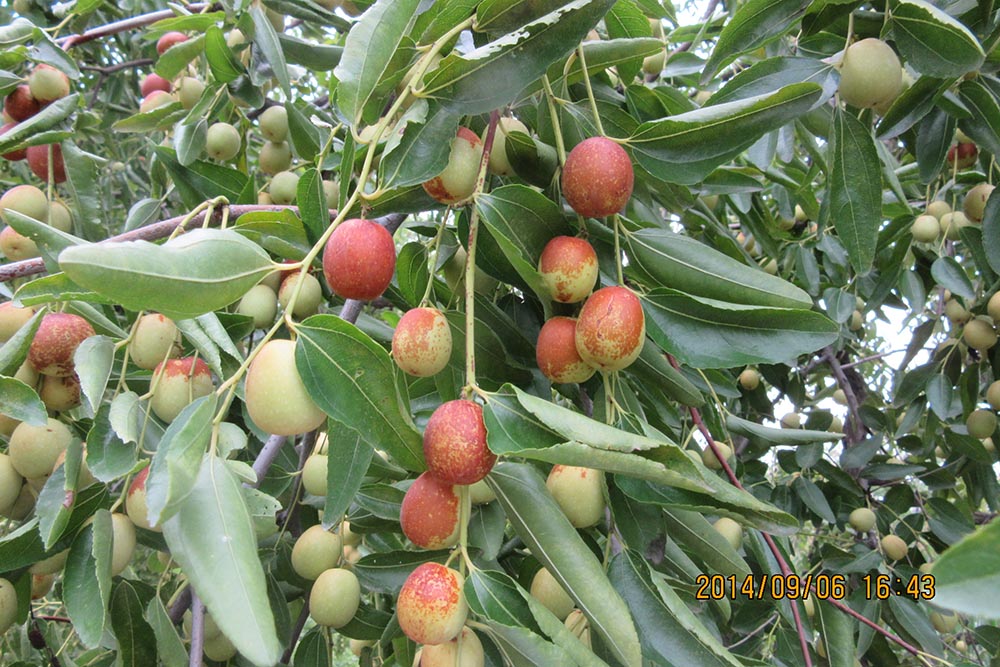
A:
[(197, 632), (125, 25), (854, 430), (111, 69), (300, 623)]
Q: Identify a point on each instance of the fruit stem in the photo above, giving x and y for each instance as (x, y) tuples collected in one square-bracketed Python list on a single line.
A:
[(464, 514), (550, 98), (432, 259), (590, 90), (618, 250)]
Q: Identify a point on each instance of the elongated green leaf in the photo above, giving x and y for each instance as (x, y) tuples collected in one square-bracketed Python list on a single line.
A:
[(201, 180), (352, 379), (653, 366), (412, 273), (774, 73), (754, 24), (82, 177), (967, 569), (855, 191), (553, 540), (223, 62), (501, 16), (991, 232), (950, 274), (19, 401), (686, 148), (169, 646), (107, 456), (778, 436), (173, 61), (932, 42), (46, 119), (92, 361), (983, 125), (523, 648), (136, 640), (213, 540), (495, 596), (87, 579), (422, 151), (348, 458), (14, 351), (195, 273), (313, 650), (266, 39), (704, 542)]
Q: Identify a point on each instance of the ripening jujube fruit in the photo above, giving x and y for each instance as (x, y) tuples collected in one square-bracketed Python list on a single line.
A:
[(20, 104), (546, 589), (894, 547), (260, 304), (189, 90), (429, 514), (979, 335), (730, 530), (60, 217), (458, 180), (50, 565), (154, 339), (41, 584), (952, 223), (156, 99), (316, 551), (38, 162), (981, 423), (359, 259), (12, 318), (975, 202), (556, 353), (431, 607), (331, 192), (792, 420), (335, 597), (711, 461), (450, 655), (17, 247), (310, 294), (23, 506), (421, 343), (597, 178), (749, 379), (58, 336), (276, 398), (944, 623), (181, 382), (993, 395), (47, 84), (579, 493), (499, 164), (455, 443), (962, 155), (937, 208), (210, 629), (862, 519), (33, 450), (8, 605), (26, 200), (274, 124), (993, 307), (870, 74), (274, 157), (123, 543), (168, 40), (925, 229), (611, 329), (219, 649), (283, 188), (11, 482), (569, 269), (135, 502), (223, 141), (152, 82), (60, 393), (956, 312)]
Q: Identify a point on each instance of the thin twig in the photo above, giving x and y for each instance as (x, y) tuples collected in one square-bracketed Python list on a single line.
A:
[(873, 625), (709, 10), (180, 605), (125, 25), (197, 631), (268, 453), (111, 69)]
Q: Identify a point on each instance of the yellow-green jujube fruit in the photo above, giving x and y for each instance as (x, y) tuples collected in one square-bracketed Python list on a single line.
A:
[(274, 124), (464, 651), (993, 395), (26, 200), (857, 321), (219, 648), (12, 318), (50, 565), (993, 307), (123, 543), (579, 492), (870, 74), (546, 589), (952, 222), (925, 229), (260, 304), (732, 531), (791, 420), (8, 605), (974, 204), (189, 90), (711, 461), (579, 625), (11, 482), (154, 339), (499, 164), (937, 208), (979, 334), (274, 157), (180, 382), (480, 493), (223, 142), (894, 547), (314, 474), (33, 450), (749, 379), (862, 519), (276, 398), (335, 597), (283, 188), (981, 423), (956, 312), (945, 623), (60, 217), (316, 550), (310, 294)]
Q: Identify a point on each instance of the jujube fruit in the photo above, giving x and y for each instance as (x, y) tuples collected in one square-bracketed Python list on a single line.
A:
[(429, 514), (60, 393), (274, 123), (135, 502), (123, 543), (155, 100), (316, 551), (711, 461), (894, 547), (421, 343), (310, 294), (33, 450), (862, 519), (47, 84), (314, 474), (334, 598), (223, 142), (284, 187), (730, 530), (556, 353), (189, 90), (749, 379), (154, 339), (925, 229), (38, 161), (458, 180), (12, 318), (981, 423), (8, 605), (431, 607), (20, 104), (260, 304), (597, 178), (870, 74), (569, 269), (979, 335), (274, 157), (26, 200), (11, 482), (611, 329), (60, 217), (58, 336), (450, 655), (168, 40), (579, 493), (13, 156), (499, 164), (181, 382), (546, 589), (276, 398), (17, 247), (359, 259), (974, 204), (455, 443)]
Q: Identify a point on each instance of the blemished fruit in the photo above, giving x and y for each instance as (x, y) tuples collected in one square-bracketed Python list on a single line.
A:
[(155, 338), (791, 420), (359, 259), (47, 84), (123, 541), (38, 161), (975, 202), (41, 584), (274, 124), (611, 329), (12, 318), (276, 398), (316, 551), (33, 450), (556, 353), (979, 335), (11, 482), (26, 200), (925, 229), (499, 164), (455, 443), (732, 531), (260, 304), (60, 393), (894, 547), (952, 223), (597, 179), (956, 312), (981, 423), (314, 474), (60, 217), (993, 395), (189, 90), (8, 605), (168, 40), (335, 598), (223, 142), (274, 157), (17, 247), (945, 623), (862, 519), (749, 379), (58, 336), (421, 343), (937, 208), (181, 382), (50, 565), (20, 105), (135, 502), (283, 187), (431, 608), (429, 513), (963, 155), (450, 654), (870, 74), (458, 180), (547, 590), (568, 266), (310, 294), (579, 492), (13, 156), (155, 100)]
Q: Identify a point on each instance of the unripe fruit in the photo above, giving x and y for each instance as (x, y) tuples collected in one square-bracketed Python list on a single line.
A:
[(956, 312), (60, 217), (283, 187), (276, 398), (210, 629), (981, 423), (331, 191), (820, 648), (568, 266), (155, 338), (335, 598), (870, 74), (993, 307), (50, 565), (429, 513), (597, 179), (945, 623), (359, 645), (975, 202), (189, 90), (480, 493), (274, 158), (862, 519), (8, 605), (38, 161), (579, 625), (181, 382), (316, 551), (60, 393), (611, 329), (11, 482), (431, 608), (791, 420), (155, 100), (359, 259), (925, 229), (26, 200), (499, 164), (135, 502), (963, 155), (314, 474), (20, 104), (952, 222), (937, 208), (749, 379), (223, 142), (274, 124), (17, 247), (23, 506), (979, 335), (961, 646), (168, 40), (449, 654), (547, 590), (41, 584), (839, 397), (123, 541), (809, 605), (260, 303), (310, 294), (653, 64), (711, 461), (579, 493), (58, 336), (47, 84), (421, 344), (219, 648), (12, 156), (350, 538), (732, 531), (556, 353), (993, 395), (12, 318), (33, 450), (894, 547), (857, 321), (455, 443), (458, 180)]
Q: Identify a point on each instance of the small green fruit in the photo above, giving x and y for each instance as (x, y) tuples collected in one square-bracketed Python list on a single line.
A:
[(11, 482), (335, 598), (261, 304), (223, 142), (480, 493), (60, 217), (579, 492), (276, 398), (956, 312), (870, 74), (274, 157), (945, 623), (979, 335), (952, 222), (189, 90), (925, 229), (709, 459), (839, 397), (33, 450), (283, 187), (8, 605), (981, 423), (862, 519), (314, 474), (499, 164), (894, 547), (791, 420), (219, 649), (993, 395), (274, 124), (155, 339), (310, 295), (316, 551), (123, 541), (547, 590), (331, 190), (732, 531), (749, 379), (937, 208), (857, 321), (26, 200)]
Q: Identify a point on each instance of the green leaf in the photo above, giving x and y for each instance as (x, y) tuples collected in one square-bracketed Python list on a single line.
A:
[(422, 151), (87, 579), (55, 501), (174, 60), (983, 125), (532, 160), (201, 181), (50, 240), (305, 137), (684, 264), (46, 119), (412, 273), (552, 539), (774, 73), (686, 148), (136, 640), (317, 57), (352, 379), (495, 596), (837, 630), (108, 457), (82, 171), (813, 498), (522, 648), (702, 541), (212, 539), (991, 232), (502, 16), (143, 122), (950, 274), (93, 361), (313, 650), (386, 572), (348, 458), (189, 141), (197, 272), (266, 39), (652, 366), (932, 42), (855, 190), (311, 200), (778, 436), (754, 24), (14, 351), (222, 61), (168, 644), (19, 401), (705, 333), (968, 568)]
